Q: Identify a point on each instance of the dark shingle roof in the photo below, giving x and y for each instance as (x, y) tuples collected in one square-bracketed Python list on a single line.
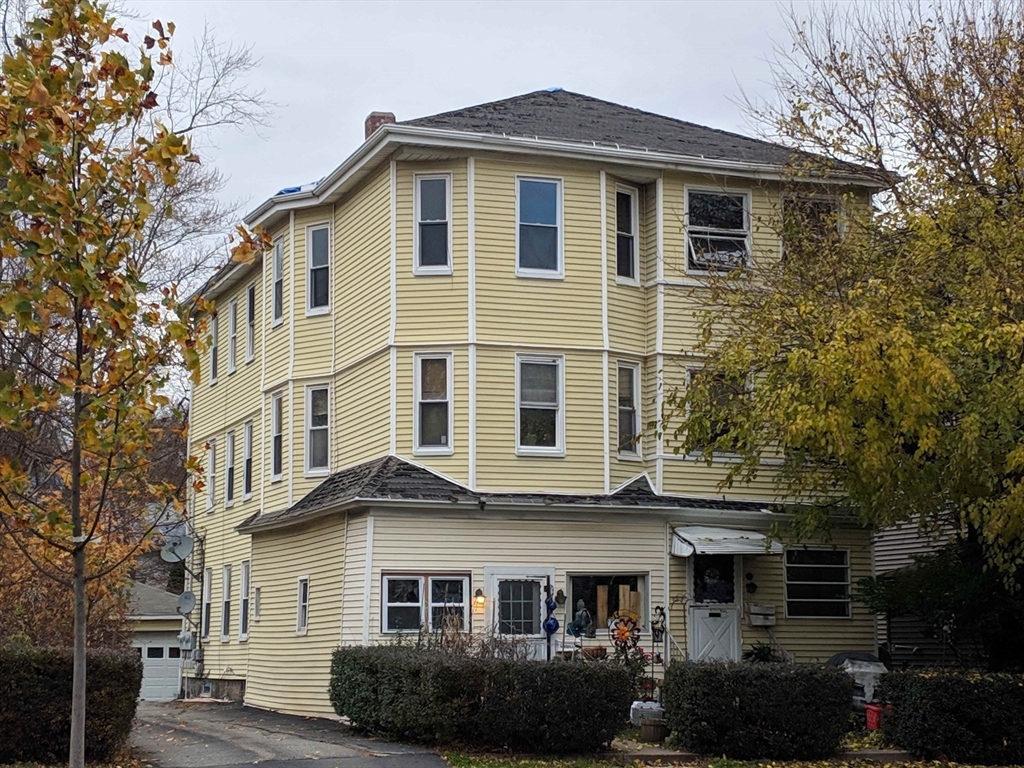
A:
[(145, 600), (393, 479), (558, 114)]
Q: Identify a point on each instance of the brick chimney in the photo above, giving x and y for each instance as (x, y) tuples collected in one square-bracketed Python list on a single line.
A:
[(375, 120)]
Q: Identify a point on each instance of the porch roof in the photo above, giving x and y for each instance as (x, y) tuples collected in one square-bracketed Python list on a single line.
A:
[(705, 540)]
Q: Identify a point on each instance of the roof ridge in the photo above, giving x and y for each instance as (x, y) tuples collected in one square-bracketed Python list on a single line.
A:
[(475, 106)]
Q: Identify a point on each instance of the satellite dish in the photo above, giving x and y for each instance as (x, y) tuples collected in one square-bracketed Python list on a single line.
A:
[(186, 602), (176, 549)]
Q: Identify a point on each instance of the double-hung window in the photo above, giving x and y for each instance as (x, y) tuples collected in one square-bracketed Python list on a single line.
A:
[(276, 436), (214, 342), (302, 606), (627, 266), (433, 392), (433, 235), (250, 323), (277, 276), (539, 409), (629, 409), (232, 335), (539, 230), (434, 602), (243, 602), (229, 493), (207, 602), (247, 460), (817, 583), (318, 287), (225, 603), (317, 429), (717, 231), (211, 475)]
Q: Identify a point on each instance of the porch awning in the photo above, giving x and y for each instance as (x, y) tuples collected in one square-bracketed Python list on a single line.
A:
[(704, 540)]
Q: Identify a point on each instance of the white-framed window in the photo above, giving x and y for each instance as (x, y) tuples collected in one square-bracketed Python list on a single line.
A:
[(247, 460), (432, 241), (207, 602), (540, 413), (627, 239), (257, 603), (318, 261), (250, 323), (225, 605), (538, 227), (433, 601), (432, 423), (277, 280), (229, 465), (214, 344), (817, 583), (717, 230), (318, 436), (243, 602), (629, 409), (302, 606), (232, 334), (276, 436), (211, 475), (607, 594)]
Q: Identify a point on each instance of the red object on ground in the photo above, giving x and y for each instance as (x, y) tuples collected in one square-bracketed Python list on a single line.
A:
[(874, 715)]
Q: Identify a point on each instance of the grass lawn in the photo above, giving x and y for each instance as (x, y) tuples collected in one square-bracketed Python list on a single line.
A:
[(471, 760)]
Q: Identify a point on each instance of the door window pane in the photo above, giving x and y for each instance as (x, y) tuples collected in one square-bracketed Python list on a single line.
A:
[(519, 607), (714, 579), (155, 652)]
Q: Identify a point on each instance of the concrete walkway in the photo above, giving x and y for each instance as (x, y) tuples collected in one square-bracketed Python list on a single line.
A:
[(211, 734)]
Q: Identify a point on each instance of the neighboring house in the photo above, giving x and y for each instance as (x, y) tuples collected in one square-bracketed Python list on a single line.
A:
[(156, 623), (430, 399)]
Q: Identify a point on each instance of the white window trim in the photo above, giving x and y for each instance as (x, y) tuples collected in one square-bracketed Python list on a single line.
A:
[(232, 335), (428, 603), (746, 194), (206, 602), (634, 194), (276, 319), (225, 604), (257, 602), (301, 629), (244, 579), (425, 604), (546, 274), (247, 463), (637, 454), (433, 450), (417, 269), (383, 601), (214, 348), (558, 450), (250, 330), (848, 583), (277, 397), (230, 476), (211, 475), (316, 471), (312, 311)]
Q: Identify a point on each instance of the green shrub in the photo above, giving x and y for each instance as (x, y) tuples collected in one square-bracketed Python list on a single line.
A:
[(435, 697), (958, 715), (35, 703), (781, 711)]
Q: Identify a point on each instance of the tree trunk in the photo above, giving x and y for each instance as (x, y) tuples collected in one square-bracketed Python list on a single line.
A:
[(76, 755)]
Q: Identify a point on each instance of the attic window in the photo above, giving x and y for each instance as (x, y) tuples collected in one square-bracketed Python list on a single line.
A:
[(718, 231)]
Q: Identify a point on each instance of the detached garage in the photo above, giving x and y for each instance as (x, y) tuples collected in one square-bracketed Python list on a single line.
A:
[(156, 622)]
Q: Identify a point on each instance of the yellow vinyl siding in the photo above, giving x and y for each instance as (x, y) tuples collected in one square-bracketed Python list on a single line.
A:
[(432, 308), (278, 343), (156, 625), (625, 466), (528, 309), (289, 672), (361, 412), (354, 580), (498, 466), (313, 353), (627, 304)]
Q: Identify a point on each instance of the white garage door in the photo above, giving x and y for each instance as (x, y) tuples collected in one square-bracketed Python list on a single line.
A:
[(161, 665)]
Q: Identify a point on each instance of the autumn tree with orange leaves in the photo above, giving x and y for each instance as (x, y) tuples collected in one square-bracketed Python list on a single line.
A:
[(85, 344)]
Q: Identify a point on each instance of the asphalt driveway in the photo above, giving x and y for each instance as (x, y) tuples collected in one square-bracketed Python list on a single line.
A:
[(218, 735)]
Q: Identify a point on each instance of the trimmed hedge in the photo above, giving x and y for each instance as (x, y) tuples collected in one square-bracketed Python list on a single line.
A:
[(959, 715), (35, 703), (780, 711), (434, 697)]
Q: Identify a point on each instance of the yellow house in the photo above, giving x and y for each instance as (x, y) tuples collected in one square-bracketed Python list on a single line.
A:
[(430, 401)]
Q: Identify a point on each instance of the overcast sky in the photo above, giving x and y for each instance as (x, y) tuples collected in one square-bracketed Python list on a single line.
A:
[(326, 65)]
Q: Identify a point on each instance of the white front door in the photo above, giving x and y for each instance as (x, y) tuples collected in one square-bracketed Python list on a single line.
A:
[(518, 612), (715, 615)]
